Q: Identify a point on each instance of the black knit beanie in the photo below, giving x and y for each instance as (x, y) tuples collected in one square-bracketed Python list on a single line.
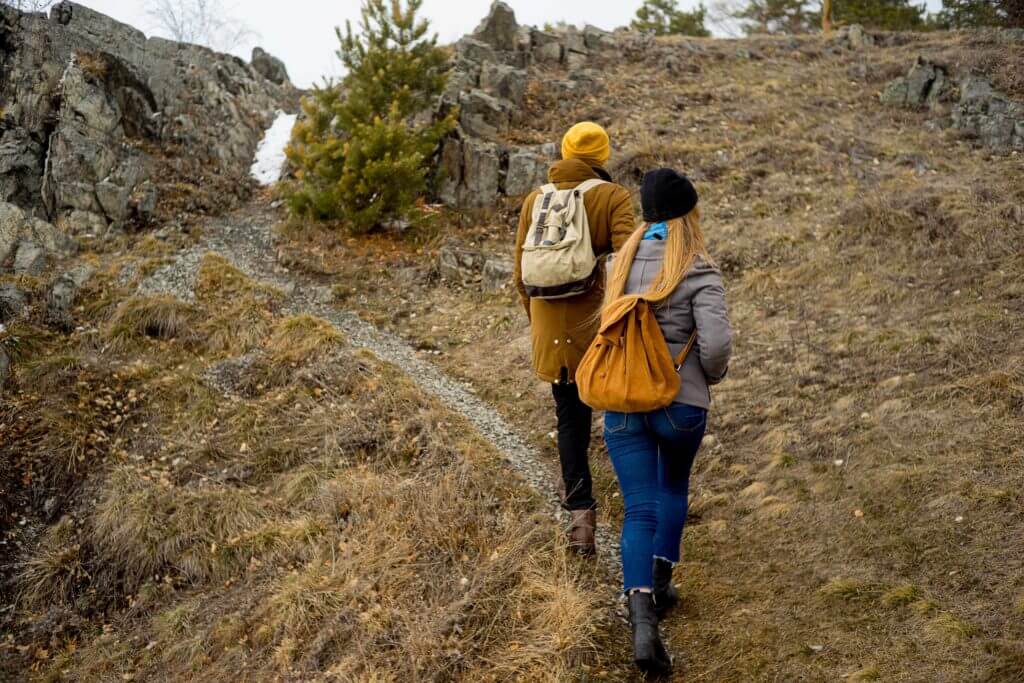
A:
[(666, 194)]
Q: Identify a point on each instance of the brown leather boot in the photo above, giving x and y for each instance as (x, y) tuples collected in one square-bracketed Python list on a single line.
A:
[(581, 532)]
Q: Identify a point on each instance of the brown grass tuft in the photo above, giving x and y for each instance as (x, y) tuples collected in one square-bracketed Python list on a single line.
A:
[(156, 317)]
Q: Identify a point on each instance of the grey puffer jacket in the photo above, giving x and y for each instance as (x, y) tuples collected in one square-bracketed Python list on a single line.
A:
[(698, 302)]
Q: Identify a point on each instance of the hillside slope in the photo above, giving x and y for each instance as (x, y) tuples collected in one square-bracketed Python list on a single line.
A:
[(207, 478), (856, 509)]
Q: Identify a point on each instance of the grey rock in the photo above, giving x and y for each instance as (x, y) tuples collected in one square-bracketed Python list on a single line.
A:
[(925, 82), (483, 115), (505, 82), (595, 38), (499, 28), (30, 259), (527, 169), (475, 51), (895, 93), (547, 47), (21, 157), (12, 302), (471, 173), (573, 39), (81, 90), (17, 226), (61, 299), (460, 265), (549, 53), (269, 66), (858, 38), (497, 275)]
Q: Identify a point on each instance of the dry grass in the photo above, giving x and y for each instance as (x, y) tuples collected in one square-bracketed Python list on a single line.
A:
[(242, 309), (870, 425), (154, 317), (334, 522), (856, 515)]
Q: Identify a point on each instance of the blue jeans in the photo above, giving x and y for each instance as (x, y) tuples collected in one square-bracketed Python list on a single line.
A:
[(652, 454)]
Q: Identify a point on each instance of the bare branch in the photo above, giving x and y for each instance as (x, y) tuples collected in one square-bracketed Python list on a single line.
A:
[(202, 22), (29, 5)]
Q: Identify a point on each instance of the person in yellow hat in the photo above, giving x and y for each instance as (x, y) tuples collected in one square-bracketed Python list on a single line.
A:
[(562, 328)]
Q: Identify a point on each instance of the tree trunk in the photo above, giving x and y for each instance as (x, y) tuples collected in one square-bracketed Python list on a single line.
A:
[(826, 16)]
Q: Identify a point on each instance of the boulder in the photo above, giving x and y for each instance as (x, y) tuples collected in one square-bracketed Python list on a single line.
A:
[(499, 28), (528, 168), (61, 299), (483, 115), (546, 47), (269, 66), (989, 116), (858, 38), (472, 173), (12, 302), (505, 82), (497, 275), (16, 226), (925, 82), (30, 259), (595, 38), (475, 51), (460, 265)]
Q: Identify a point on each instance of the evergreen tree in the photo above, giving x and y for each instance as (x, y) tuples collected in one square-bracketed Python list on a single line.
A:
[(888, 15), (361, 151), (777, 16), (663, 17), (976, 13)]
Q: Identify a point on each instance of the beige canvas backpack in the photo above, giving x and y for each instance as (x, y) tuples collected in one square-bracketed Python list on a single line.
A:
[(558, 257)]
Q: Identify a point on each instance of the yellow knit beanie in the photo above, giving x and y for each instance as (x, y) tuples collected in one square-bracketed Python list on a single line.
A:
[(587, 141)]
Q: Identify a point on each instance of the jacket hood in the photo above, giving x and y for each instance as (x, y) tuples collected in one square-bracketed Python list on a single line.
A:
[(575, 171), (654, 250)]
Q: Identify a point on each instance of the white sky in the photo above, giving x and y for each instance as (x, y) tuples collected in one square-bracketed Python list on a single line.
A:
[(301, 32)]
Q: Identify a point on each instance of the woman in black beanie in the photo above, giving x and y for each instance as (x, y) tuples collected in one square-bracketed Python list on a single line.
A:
[(652, 453)]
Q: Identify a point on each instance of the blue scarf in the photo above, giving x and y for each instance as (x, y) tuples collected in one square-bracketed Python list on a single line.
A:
[(658, 231)]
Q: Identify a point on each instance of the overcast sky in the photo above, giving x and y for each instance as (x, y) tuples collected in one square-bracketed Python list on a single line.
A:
[(301, 32)]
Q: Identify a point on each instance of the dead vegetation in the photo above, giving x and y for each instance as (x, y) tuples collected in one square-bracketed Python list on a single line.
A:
[(326, 520), (855, 513), (240, 494)]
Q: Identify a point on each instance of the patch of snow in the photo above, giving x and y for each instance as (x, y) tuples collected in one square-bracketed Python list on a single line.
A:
[(266, 169)]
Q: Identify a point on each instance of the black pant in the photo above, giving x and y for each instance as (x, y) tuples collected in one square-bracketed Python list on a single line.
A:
[(574, 419)]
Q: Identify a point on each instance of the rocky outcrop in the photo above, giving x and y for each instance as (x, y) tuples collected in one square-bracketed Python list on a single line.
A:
[(18, 229), (269, 66), (969, 104), (87, 105), (490, 72)]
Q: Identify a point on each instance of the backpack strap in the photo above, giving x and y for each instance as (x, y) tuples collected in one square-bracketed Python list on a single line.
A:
[(547, 192), (681, 358), (588, 185)]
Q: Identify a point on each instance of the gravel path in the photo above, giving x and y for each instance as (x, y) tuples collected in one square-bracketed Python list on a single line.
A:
[(247, 241)]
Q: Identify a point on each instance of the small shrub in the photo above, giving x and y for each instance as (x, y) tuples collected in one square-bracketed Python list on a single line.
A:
[(360, 153)]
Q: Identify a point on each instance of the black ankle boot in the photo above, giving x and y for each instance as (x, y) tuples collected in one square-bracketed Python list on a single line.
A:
[(665, 594), (648, 651)]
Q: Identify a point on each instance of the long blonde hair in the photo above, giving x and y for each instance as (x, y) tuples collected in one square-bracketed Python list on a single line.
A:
[(684, 244)]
